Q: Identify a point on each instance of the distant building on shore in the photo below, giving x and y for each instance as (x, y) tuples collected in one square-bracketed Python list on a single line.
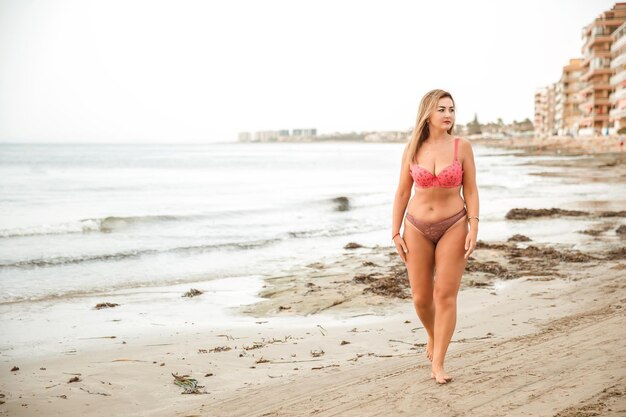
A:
[(617, 99), (596, 70), (473, 130), (281, 135), (387, 136), (545, 104), (303, 132), (566, 111), (588, 98)]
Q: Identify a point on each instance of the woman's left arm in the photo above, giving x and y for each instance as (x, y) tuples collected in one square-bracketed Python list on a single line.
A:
[(470, 195)]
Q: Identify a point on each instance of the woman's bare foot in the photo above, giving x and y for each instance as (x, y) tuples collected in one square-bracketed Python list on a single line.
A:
[(440, 376), (429, 348)]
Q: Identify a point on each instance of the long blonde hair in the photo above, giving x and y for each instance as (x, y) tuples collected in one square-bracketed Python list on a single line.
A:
[(420, 133)]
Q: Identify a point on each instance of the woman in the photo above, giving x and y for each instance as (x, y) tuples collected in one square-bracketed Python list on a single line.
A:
[(441, 227)]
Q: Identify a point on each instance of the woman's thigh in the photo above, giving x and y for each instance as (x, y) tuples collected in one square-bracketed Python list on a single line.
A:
[(420, 263), (449, 259)]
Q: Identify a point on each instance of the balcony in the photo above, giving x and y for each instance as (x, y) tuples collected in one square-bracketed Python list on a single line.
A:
[(588, 105), (619, 94), (593, 72), (618, 61), (597, 40), (589, 88), (609, 20), (618, 44), (618, 78), (618, 114), (600, 61), (590, 122), (604, 101), (602, 85), (586, 90)]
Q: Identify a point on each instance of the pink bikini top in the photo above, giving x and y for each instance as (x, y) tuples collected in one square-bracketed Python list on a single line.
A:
[(450, 176)]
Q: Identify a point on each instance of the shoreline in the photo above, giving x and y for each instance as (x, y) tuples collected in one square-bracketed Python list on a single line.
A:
[(552, 145), (255, 367), (597, 146)]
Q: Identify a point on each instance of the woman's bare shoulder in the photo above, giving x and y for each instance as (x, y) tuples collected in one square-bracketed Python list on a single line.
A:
[(464, 142), (405, 152)]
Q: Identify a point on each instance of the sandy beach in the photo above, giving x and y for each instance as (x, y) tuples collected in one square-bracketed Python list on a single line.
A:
[(540, 332)]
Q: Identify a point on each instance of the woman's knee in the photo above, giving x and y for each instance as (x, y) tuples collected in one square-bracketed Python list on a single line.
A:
[(422, 301), (444, 296)]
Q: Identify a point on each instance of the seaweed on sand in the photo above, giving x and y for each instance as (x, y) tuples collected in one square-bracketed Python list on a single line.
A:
[(189, 385)]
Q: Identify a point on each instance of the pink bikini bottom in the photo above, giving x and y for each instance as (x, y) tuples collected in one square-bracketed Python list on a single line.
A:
[(434, 231)]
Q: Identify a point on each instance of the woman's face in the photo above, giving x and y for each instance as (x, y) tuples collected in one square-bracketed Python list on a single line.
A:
[(443, 116)]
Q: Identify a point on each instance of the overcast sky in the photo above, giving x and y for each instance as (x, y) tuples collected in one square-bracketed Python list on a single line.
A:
[(197, 71)]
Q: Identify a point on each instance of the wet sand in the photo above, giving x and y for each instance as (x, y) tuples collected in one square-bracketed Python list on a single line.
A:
[(540, 332)]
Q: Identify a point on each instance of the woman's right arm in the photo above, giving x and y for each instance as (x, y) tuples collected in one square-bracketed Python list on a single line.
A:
[(403, 194)]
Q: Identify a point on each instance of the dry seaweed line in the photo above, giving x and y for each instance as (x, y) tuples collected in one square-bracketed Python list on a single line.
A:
[(220, 349), (192, 293), (105, 305), (255, 345)]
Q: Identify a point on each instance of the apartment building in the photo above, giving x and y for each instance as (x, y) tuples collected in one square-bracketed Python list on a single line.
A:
[(304, 132), (566, 111), (617, 100), (540, 99), (596, 71), (545, 103), (274, 135)]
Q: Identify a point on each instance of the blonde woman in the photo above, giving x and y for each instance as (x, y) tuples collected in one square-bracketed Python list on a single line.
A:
[(441, 226)]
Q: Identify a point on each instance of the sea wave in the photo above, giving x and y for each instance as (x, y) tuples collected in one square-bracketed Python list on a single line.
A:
[(55, 261), (103, 224), (68, 260), (111, 224)]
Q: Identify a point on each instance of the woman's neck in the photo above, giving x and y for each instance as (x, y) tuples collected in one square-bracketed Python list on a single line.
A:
[(438, 136)]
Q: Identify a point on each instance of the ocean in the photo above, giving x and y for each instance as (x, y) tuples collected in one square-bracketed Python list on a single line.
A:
[(81, 219), (84, 223)]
